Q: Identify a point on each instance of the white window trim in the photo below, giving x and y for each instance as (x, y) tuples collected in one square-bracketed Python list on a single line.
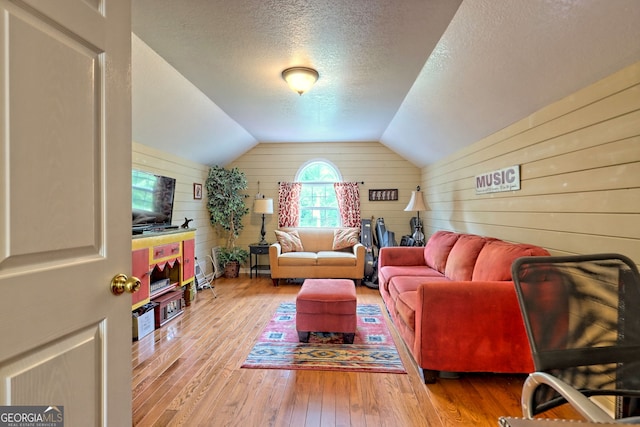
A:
[(318, 160)]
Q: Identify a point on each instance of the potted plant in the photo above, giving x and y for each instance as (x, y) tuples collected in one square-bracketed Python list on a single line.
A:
[(230, 260), (226, 209)]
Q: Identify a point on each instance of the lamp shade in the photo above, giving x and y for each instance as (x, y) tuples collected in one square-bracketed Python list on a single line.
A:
[(263, 206), (417, 202)]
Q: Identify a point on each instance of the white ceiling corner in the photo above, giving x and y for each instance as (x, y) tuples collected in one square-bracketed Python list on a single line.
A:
[(169, 113), (424, 77)]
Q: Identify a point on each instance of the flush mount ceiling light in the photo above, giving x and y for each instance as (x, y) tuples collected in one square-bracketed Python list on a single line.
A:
[(300, 79)]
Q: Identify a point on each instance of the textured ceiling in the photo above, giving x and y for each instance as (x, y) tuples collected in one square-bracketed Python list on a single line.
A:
[(424, 77)]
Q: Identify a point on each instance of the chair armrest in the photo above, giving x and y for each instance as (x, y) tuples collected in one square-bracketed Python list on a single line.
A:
[(359, 250), (577, 400), (401, 255), (275, 250), (484, 316)]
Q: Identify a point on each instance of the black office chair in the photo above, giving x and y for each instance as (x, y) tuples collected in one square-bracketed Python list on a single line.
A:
[(582, 315)]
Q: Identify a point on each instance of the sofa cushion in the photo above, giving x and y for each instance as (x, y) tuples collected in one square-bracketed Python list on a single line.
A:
[(289, 241), (314, 239), (462, 257), (438, 248), (391, 271), (298, 259), (495, 259), (336, 258), (406, 308), (401, 284), (345, 238)]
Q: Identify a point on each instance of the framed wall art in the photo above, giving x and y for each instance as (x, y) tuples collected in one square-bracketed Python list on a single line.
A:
[(389, 194), (197, 191)]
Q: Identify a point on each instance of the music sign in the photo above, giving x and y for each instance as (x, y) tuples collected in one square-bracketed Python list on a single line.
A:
[(507, 179)]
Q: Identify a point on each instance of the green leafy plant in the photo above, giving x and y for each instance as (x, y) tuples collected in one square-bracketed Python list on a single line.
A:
[(226, 201), (232, 255)]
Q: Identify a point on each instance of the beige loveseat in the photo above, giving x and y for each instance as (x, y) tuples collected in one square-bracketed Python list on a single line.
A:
[(315, 257)]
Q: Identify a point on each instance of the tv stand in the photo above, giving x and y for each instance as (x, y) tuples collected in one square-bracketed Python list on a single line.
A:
[(151, 228), (164, 262)]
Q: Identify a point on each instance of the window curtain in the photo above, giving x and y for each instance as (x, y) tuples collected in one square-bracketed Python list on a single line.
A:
[(348, 195), (289, 204)]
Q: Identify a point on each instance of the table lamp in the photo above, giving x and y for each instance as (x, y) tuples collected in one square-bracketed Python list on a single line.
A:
[(264, 207), (417, 204)]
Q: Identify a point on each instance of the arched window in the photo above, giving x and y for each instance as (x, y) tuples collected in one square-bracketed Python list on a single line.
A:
[(318, 203)]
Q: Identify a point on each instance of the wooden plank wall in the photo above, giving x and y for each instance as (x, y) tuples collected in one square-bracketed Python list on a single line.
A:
[(186, 173), (371, 162), (580, 175)]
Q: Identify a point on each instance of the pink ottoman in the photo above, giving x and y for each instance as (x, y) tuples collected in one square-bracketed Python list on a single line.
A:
[(326, 305)]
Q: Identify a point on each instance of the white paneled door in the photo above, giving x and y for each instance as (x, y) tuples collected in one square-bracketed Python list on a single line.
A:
[(65, 170)]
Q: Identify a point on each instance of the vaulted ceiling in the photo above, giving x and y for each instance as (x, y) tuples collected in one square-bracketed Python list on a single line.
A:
[(424, 77)]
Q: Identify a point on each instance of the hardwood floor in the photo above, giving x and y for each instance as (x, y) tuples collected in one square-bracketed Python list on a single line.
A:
[(188, 373)]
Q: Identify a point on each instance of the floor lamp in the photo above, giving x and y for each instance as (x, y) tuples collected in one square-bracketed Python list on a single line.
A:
[(417, 204), (264, 207)]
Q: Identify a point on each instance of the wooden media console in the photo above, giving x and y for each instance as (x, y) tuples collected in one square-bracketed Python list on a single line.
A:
[(164, 262)]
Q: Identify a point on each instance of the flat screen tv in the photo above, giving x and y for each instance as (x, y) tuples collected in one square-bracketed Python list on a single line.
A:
[(151, 201)]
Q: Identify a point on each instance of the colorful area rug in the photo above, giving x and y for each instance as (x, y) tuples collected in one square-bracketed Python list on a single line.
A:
[(373, 349)]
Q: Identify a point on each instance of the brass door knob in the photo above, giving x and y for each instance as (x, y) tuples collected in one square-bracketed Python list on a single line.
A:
[(121, 283)]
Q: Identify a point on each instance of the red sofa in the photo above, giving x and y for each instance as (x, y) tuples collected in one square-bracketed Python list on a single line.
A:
[(454, 303)]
